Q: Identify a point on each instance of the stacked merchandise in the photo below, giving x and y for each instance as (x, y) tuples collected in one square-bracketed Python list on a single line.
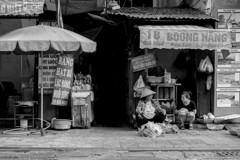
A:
[(81, 101)]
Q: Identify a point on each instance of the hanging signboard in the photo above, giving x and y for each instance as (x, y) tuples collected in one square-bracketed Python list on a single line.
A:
[(143, 62), (184, 37), (21, 7), (49, 65), (63, 80)]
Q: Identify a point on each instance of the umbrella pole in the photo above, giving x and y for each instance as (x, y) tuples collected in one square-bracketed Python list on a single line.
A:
[(41, 94)]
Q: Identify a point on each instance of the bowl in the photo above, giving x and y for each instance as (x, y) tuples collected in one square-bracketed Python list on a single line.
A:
[(215, 127), (62, 124), (61, 127), (234, 130)]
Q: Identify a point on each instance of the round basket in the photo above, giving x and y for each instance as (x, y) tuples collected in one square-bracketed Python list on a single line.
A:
[(205, 121), (215, 127)]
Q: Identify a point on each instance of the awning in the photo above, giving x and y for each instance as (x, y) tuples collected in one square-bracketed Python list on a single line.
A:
[(184, 37), (21, 7)]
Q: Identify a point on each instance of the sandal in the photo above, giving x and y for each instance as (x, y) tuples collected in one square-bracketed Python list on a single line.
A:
[(182, 127)]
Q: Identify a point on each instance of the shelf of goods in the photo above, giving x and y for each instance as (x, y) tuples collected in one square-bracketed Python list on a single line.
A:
[(167, 97)]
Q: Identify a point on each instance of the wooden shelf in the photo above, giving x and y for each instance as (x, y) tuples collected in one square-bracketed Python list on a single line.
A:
[(166, 93), (24, 115), (165, 84), (163, 99)]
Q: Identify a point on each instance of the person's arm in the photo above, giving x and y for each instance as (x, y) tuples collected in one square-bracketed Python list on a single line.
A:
[(139, 109), (194, 108)]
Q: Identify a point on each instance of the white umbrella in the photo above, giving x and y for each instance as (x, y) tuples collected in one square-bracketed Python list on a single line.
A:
[(44, 39)]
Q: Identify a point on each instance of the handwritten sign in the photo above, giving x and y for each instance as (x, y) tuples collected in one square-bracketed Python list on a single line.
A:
[(184, 37), (143, 62), (63, 80), (48, 64), (21, 7)]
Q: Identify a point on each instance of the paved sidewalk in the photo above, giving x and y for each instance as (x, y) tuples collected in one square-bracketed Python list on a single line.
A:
[(124, 138)]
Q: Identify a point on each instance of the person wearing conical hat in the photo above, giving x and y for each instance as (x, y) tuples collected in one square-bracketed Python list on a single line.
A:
[(148, 109)]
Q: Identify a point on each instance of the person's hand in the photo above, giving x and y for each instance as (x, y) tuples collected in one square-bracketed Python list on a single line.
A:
[(191, 114), (140, 116), (164, 111)]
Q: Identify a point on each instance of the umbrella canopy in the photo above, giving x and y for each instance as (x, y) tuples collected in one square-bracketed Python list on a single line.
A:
[(44, 38)]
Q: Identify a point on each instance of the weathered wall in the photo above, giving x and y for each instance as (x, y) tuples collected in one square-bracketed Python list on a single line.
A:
[(10, 65)]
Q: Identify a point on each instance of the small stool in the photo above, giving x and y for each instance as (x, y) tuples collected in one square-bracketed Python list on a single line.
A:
[(24, 111)]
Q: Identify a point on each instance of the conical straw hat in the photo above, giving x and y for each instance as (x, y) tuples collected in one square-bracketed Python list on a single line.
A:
[(146, 92)]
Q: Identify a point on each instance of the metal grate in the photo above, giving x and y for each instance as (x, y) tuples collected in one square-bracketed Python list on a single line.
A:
[(229, 154)]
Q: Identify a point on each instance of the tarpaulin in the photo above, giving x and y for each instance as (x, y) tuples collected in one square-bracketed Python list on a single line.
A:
[(21, 7), (184, 37)]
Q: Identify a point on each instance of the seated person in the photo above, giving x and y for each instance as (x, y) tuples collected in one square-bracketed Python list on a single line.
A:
[(148, 109), (186, 110)]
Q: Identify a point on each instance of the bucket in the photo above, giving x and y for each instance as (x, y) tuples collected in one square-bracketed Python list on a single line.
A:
[(23, 123), (167, 77)]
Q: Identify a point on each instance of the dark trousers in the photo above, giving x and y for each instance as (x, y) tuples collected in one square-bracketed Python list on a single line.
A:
[(158, 118)]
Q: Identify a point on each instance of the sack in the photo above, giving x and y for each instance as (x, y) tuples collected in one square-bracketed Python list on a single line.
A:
[(150, 129)]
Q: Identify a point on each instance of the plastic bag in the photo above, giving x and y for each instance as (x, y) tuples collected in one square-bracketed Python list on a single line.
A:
[(139, 84), (150, 129), (209, 66), (138, 87), (205, 65), (202, 66)]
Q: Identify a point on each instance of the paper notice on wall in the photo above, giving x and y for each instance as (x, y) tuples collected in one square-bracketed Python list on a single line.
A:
[(63, 80), (227, 99)]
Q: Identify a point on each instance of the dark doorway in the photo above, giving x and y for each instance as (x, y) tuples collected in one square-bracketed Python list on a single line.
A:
[(108, 67)]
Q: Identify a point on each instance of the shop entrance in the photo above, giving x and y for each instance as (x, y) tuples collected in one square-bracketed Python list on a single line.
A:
[(110, 78)]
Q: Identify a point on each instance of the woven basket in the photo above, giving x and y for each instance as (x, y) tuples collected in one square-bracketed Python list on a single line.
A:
[(215, 127), (205, 121), (153, 79)]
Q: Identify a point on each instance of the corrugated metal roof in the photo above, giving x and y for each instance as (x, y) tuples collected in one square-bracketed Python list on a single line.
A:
[(162, 13)]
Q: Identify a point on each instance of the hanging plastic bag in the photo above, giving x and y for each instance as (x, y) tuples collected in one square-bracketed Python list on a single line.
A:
[(139, 86), (205, 65), (209, 66), (209, 82), (202, 65)]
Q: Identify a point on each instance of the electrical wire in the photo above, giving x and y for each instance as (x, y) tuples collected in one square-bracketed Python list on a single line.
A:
[(196, 3)]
